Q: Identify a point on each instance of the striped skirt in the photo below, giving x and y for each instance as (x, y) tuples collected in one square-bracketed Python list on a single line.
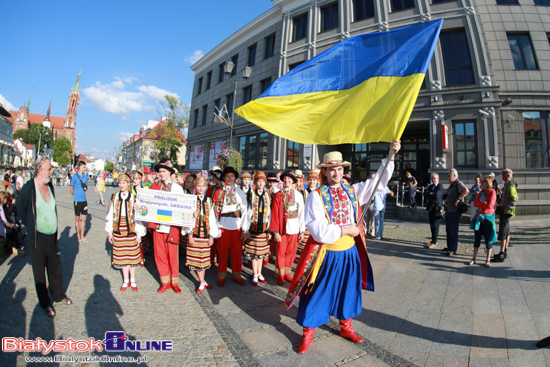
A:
[(257, 247), (302, 244), (125, 248), (198, 255)]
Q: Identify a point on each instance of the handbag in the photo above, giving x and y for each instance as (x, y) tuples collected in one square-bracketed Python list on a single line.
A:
[(462, 207)]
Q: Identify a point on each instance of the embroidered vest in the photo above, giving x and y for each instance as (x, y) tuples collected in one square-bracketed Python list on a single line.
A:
[(259, 221), (202, 219), (117, 201)]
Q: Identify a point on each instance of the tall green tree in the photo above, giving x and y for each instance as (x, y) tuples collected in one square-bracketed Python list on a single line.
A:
[(34, 134), (110, 167), (169, 133), (62, 150)]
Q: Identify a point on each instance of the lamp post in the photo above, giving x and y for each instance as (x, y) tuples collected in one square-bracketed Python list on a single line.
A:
[(228, 69)]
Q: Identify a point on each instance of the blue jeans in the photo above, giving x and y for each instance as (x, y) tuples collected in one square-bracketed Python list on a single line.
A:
[(452, 223), (379, 223)]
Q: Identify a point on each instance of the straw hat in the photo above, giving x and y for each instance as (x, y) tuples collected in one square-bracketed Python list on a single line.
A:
[(299, 174), (333, 159)]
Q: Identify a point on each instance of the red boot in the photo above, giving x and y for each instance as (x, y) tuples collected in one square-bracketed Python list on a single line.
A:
[(307, 339), (165, 287), (346, 331)]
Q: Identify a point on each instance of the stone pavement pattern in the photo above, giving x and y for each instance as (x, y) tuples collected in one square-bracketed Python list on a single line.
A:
[(428, 309)]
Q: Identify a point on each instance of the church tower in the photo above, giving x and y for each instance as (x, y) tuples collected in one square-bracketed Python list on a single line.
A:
[(70, 121)]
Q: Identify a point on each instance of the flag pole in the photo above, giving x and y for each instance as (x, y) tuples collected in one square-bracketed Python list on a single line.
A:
[(364, 211)]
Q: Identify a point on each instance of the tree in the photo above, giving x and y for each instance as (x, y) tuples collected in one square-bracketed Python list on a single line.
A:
[(110, 167), (168, 134), (62, 149), (34, 134)]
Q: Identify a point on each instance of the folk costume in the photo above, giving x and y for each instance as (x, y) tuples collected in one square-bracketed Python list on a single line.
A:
[(120, 222), (231, 206), (259, 212), (305, 193), (206, 226), (166, 238), (287, 219), (333, 268)]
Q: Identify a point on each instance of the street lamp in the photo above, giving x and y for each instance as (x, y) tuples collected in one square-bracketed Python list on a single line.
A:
[(228, 69)]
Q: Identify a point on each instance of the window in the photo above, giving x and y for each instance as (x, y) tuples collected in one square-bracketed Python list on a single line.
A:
[(397, 5), (329, 17), (252, 55), (264, 84), (204, 111), (253, 149), (508, 2), (196, 118), (269, 48), (299, 29), (292, 66), (537, 135), (292, 154), (217, 104), (363, 9), (235, 60), (522, 51), (229, 104), (208, 80), (542, 2), (247, 94), (69, 135), (465, 144), (200, 86), (220, 75), (456, 58), (441, 1)]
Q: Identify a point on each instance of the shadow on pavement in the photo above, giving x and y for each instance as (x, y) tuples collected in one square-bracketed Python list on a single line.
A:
[(399, 325), (101, 312), (68, 251), (15, 325)]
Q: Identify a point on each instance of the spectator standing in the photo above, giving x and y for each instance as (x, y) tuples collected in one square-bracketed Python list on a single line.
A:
[(507, 210), (484, 220), (79, 186), (100, 189), (456, 192), (434, 198), (379, 210), (474, 190), (37, 210), (57, 177), (19, 182), (411, 184)]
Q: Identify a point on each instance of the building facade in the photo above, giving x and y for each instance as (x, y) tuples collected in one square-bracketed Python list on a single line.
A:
[(484, 104), (60, 126)]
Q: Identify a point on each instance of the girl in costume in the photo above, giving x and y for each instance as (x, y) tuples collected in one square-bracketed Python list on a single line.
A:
[(201, 237), (124, 232), (259, 211)]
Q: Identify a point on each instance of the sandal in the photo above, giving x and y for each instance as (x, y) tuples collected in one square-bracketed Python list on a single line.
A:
[(65, 301), (487, 264), (472, 262), (50, 311), (84, 240)]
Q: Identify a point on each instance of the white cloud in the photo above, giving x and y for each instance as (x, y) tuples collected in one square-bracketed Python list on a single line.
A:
[(122, 99), (7, 105), (195, 57), (123, 135)]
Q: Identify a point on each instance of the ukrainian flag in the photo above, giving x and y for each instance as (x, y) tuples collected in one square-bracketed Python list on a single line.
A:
[(360, 90), (164, 215)]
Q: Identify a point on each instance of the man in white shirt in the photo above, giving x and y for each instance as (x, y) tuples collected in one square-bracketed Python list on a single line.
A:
[(231, 208), (287, 225)]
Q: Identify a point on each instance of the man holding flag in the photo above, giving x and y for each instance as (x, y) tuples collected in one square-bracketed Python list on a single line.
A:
[(359, 91)]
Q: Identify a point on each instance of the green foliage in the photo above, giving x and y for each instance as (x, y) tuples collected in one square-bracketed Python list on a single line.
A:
[(34, 134), (168, 134), (62, 150), (230, 158), (110, 167)]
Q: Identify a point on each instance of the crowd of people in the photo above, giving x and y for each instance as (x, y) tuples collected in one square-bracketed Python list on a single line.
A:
[(256, 218)]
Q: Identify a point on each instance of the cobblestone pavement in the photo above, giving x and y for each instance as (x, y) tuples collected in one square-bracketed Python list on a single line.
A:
[(428, 309)]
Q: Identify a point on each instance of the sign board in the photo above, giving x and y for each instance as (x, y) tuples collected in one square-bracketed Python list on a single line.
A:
[(215, 149), (165, 207), (196, 156)]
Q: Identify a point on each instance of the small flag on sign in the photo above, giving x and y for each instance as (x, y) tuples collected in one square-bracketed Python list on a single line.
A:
[(164, 215)]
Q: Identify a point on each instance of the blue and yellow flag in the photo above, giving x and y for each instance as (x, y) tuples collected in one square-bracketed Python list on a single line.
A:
[(361, 90), (165, 215)]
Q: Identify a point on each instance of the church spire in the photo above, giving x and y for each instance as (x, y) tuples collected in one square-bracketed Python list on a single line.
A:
[(29, 102), (77, 85), (49, 110)]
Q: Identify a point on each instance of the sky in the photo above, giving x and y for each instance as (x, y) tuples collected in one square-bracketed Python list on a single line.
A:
[(132, 53)]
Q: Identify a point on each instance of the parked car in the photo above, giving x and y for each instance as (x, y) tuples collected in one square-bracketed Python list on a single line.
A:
[(111, 181)]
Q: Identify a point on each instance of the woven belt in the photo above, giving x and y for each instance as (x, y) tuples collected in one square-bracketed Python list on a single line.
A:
[(235, 214), (292, 214)]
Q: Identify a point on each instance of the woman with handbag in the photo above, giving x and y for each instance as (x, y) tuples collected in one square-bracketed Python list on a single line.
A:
[(434, 206), (484, 220)]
